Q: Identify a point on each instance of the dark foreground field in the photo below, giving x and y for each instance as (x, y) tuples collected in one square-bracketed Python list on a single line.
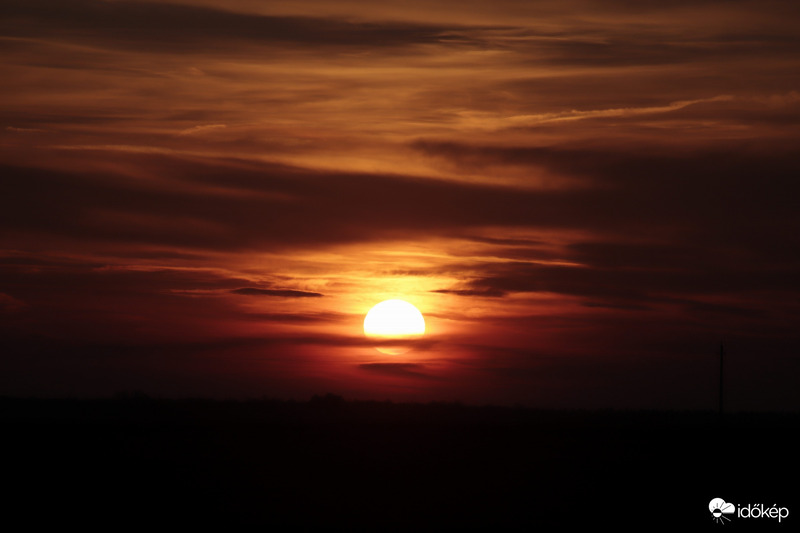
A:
[(328, 464)]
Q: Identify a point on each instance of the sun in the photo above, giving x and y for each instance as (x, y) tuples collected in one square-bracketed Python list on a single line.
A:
[(394, 320)]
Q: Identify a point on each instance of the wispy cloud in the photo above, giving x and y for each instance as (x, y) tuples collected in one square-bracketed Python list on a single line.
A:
[(282, 293), (205, 128), (403, 370), (493, 122)]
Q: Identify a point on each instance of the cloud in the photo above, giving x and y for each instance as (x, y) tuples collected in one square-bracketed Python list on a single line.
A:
[(404, 370), (625, 287), (274, 212), (472, 292), (176, 28), (493, 122), (644, 225), (24, 130), (309, 318), (205, 128), (283, 293), (9, 304)]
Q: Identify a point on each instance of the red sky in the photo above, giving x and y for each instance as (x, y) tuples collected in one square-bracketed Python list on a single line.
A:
[(582, 198)]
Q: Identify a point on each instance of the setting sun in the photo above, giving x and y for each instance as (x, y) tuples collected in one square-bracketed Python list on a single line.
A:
[(394, 320)]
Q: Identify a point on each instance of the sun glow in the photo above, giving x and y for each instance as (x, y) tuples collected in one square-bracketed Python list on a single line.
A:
[(394, 320)]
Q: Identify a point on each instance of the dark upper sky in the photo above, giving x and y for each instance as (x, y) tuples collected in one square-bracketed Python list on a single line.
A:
[(582, 198)]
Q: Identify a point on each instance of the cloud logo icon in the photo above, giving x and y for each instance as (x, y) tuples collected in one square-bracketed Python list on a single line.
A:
[(720, 507)]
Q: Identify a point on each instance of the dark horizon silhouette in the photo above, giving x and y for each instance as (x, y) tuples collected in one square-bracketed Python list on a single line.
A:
[(333, 463)]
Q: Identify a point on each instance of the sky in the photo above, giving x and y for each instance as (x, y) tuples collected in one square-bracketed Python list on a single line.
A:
[(584, 199)]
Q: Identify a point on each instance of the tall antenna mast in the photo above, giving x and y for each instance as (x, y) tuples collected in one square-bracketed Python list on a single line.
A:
[(721, 356)]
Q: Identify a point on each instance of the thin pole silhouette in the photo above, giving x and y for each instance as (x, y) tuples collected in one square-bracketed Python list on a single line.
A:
[(721, 356)]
